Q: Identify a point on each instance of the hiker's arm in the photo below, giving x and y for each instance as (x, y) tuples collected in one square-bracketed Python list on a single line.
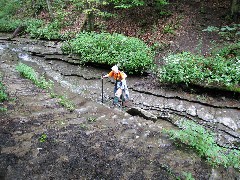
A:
[(105, 76), (108, 75)]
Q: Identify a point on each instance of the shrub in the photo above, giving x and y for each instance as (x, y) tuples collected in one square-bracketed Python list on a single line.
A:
[(9, 25), (8, 8), (33, 26), (229, 51), (187, 68), (37, 29), (132, 54)]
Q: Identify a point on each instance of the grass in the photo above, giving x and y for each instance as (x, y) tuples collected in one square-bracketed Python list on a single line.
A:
[(3, 94), (29, 73), (203, 141)]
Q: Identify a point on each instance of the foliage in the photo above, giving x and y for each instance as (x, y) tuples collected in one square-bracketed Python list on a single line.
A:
[(168, 29), (127, 3), (159, 4), (8, 8), (33, 25), (37, 29), (221, 69), (3, 94), (43, 138), (203, 142), (3, 109), (188, 176), (29, 73), (229, 51), (172, 26), (228, 32), (66, 103), (8, 19), (9, 25), (91, 119), (132, 54)]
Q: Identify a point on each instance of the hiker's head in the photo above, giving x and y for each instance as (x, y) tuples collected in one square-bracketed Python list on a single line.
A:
[(115, 69)]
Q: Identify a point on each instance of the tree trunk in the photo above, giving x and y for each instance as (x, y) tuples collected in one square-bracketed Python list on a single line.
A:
[(33, 7), (90, 16), (50, 9), (90, 21), (235, 10)]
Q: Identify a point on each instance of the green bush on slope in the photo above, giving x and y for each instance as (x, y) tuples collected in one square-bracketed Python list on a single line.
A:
[(221, 69), (132, 54)]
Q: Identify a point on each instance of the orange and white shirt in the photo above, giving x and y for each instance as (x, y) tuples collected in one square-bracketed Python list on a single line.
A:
[(117, 76)]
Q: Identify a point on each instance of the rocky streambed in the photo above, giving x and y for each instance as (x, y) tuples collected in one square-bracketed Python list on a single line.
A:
[(95, 141)]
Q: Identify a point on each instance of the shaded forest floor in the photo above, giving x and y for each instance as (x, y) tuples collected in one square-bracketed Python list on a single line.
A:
[(178, 27)]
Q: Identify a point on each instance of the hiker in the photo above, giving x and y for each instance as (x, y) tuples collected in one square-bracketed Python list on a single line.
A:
[(120, 86)]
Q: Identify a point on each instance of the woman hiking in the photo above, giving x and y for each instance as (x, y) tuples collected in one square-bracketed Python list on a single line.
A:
[(120, 86)]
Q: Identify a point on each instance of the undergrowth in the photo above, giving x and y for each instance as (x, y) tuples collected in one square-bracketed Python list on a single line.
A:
[(221, 69), (3, 94), (29, 73), (203, 141), (131, 54)]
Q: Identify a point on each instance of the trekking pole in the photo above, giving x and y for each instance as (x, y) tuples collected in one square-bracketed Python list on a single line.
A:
[(122, 98), (102, 87)]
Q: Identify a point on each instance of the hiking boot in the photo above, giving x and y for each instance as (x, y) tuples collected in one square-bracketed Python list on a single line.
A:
[(115, 100), (115, 105)]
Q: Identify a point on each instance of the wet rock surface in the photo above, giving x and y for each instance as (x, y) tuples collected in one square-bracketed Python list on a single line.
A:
[(216, 110), (95, 141)]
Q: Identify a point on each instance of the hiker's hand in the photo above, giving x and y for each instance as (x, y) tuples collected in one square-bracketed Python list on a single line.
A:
[(104, 76)]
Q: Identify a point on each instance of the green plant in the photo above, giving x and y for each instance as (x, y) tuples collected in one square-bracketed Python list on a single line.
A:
[(64, 101), (228, 32), (9, 8), (43, 138), (3, 109), (29, 73), (91, 119), (171, 27), (61, 122), (188, 176), (132, 54), (33, 26), (203, 141), (83, 126), (221, 69), (168, 29), (9, 25), (3, 94), (211, 29)]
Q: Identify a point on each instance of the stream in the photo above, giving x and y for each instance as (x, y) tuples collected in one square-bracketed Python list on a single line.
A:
[(165, 105)]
